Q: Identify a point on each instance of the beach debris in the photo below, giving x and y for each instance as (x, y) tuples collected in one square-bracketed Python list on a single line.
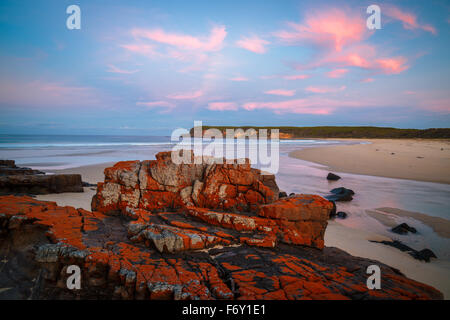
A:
[(333, 177), (282, 194), (422, 255), (403, 228), (340, 194)]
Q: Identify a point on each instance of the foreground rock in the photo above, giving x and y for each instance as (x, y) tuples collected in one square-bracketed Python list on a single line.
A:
[(17, 180), (138, 259)]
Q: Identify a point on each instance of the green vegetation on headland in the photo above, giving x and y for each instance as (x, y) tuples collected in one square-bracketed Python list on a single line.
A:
[(348, 132)]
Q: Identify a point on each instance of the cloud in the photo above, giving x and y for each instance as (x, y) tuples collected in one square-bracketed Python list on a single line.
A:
[(239, 79), (253, 44), (155, 104), (194, 50), (333, 28), (222, 106), (281, 92), (185, 42), (114, 69), (337, 73), (325, 89), (143, 49), (392, 65), (296, 77), (408, 19), (361, 56), (186, 95), (367, 80)]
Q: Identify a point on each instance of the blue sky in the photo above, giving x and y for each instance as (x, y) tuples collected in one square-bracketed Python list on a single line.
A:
[(148, 67)]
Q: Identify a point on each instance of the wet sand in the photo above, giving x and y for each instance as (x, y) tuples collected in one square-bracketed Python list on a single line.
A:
[(412, 159), (351, 240)]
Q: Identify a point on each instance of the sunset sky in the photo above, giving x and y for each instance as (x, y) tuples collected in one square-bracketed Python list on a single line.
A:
[(148, 67)]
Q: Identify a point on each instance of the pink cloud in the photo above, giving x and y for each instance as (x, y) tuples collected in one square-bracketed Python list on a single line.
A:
[(114, 69), (296, 77), (392, 65), (155, 104), (253, 44), (281, 92), (239, 79), (301, 106), (324, 89), (333, 28), (143, 49), (222, 106), (367, 80), (185, 42), (408, 19), (186, 95), (337, 73), (361, 56)]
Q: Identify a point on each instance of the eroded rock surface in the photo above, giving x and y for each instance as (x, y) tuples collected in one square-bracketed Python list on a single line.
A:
[(39, 240)]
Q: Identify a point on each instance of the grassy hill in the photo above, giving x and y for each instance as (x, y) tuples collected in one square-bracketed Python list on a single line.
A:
[(350, 132)]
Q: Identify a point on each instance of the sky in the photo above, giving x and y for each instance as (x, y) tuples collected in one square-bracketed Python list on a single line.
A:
[(149, 67)]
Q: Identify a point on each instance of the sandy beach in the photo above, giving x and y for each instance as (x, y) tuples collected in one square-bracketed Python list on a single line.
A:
[(412, 159), (351, 240)]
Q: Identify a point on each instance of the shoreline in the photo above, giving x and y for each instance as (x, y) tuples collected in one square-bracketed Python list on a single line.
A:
[(410, 159)]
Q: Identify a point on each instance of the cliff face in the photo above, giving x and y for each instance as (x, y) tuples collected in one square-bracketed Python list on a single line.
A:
[(148, 239)]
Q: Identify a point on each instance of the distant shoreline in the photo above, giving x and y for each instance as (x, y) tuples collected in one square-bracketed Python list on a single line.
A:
[(412, 159), (340, 132)]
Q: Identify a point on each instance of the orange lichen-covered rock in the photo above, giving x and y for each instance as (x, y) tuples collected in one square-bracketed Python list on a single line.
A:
[(161, 184), (231, 257)]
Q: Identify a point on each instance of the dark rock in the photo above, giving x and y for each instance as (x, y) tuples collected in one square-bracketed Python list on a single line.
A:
[(341, 215), (9, 168), (282, 194), (291, 194), (340, 194), (87, 184), (333, 177), (8, 163), (41, 184), (423, 255), (403, 229)]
